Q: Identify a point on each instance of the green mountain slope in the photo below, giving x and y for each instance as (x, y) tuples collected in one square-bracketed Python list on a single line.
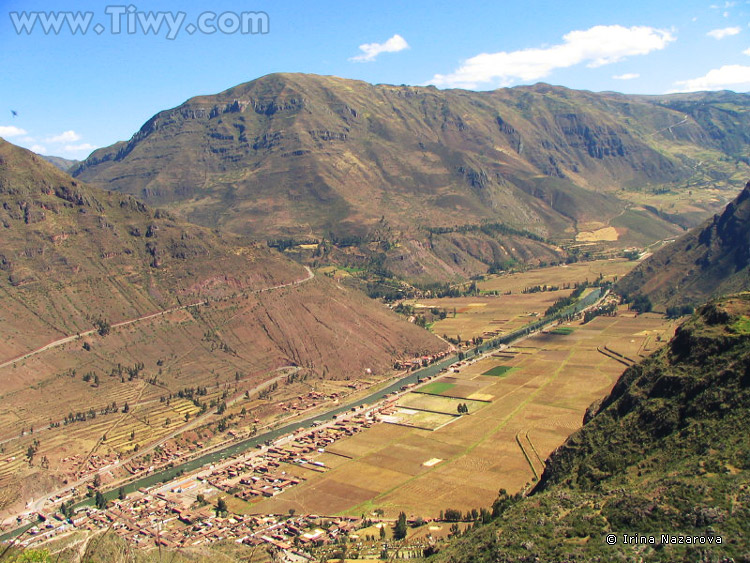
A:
[(293, 155), (710, 260), (667, 452)]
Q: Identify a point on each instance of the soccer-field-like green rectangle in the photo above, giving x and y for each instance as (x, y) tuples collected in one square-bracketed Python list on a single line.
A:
[(562, 330), (498, 371), (436, 388)]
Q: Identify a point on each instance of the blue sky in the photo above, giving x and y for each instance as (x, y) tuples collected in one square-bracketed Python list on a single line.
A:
[(75, 92)]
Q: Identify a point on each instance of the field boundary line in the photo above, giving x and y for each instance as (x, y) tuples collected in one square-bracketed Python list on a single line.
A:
[(611, 356), (526, 455), (430, 410), (533, 448)]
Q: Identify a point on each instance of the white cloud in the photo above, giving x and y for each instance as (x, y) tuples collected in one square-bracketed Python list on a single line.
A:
[(746, 52), (371, 50), (63, 144), (626, 76), (83, 147), (724, 32), (596, 46), (65, 137), (11, 131), (728, 77)]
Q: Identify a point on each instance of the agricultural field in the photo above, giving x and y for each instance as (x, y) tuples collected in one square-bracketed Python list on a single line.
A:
[(438, 403), (425, 420), (523, 402), (501, 306), (578, 272), (498, 371)]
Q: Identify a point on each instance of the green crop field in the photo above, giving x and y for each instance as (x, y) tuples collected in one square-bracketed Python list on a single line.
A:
[(436, 388), (498, 371)]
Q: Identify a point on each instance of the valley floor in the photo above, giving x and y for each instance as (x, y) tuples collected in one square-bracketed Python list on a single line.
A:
[(424, 456), (449, 443)]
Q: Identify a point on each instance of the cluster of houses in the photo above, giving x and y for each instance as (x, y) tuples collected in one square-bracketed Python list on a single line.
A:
[(178, 515), (420, 361), (171, 515), (159, 457), (304, 402), (148, 519), (263, 474), (79, 464), (253, 479)]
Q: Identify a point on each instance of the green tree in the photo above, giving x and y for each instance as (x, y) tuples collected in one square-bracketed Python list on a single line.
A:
[(100, 501), (121, 493), (399, 530), (102, 327), (641, 304), (485, 516), (221, 507)]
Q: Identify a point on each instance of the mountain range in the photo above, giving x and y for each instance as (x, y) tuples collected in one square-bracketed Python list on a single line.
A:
[(409, 174)]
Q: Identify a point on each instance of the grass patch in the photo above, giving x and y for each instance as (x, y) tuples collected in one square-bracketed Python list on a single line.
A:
[(436, 388), (564, 330), (742, 326), (498, 371)]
